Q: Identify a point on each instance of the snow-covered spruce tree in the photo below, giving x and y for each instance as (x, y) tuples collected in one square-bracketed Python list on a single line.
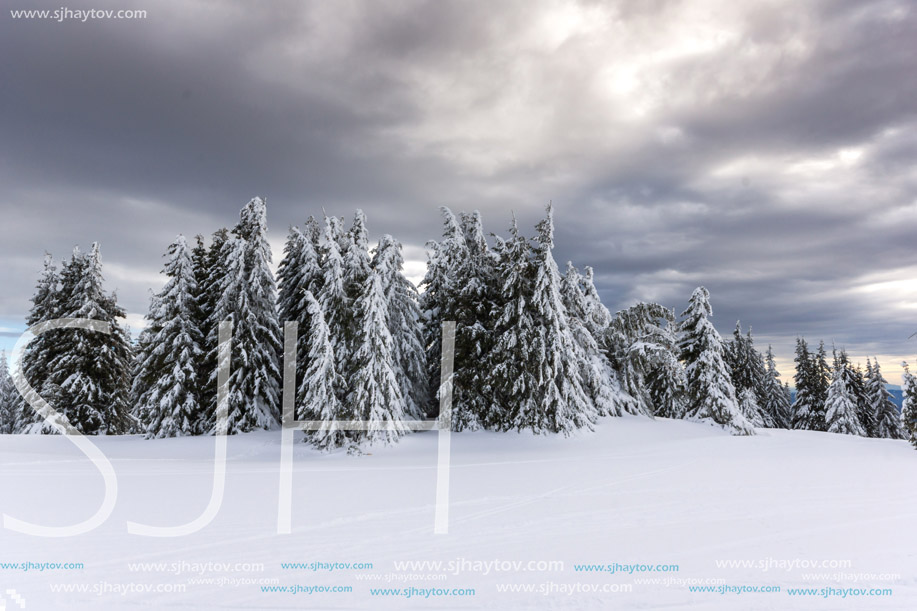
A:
[(40, 351), (561, 403), (748, 405), (321, 386), (513, 361), (248, 299), (909, 406), (166, 384), (856, 388), (403, 320), (374, 391), (748, 373), (8, 395), (357, 262), (90, 371), (823, 375), (475, 308), (209, 273), (776, 402), (808, 411), (887, 418), (598, 378), (643, 348), (299, 272), (598, 318), (840, 407), (450, 290), (711, 396), (336, 307)]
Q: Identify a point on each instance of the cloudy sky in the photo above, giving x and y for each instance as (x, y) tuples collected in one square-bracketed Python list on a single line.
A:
[(766, 150)]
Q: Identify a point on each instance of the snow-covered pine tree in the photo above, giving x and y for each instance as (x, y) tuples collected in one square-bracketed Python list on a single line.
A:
[(454, 280), (598, 318), (808, 412), (562, 404), (375, 393), (598, 378), (856, 387), (248, 299), (474, 309), (643, 345), (711, 395), (887, 418), (8, 395), (299, 272), (734, 356), (823, 375), (166, 384), (512, 365), (748, 374), (91, 371), (776, 402), (909, 406), (357, 262), (748, 405), (403, 319), (336, 307), (321, 385), (840, 407), (209, 273), (40, 352)]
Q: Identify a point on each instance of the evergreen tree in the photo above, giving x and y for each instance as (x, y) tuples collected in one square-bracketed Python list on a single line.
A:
[(748, 406), (336, 306), (439, 302), (299, 272), (8, 395), (776, 401), (209, 273), (375, 393), (512, 361), (40, 352), (711, 395), (248, 299), (166, 386), (90, 371), (403, 320), (476, 301), (856, 388), (748, 374), (823, 374), (597, 316), (598, 378), (808, 410), (840, 407), (644, 346), (561, 403), (321, 385), (887, 418), (909, 406)]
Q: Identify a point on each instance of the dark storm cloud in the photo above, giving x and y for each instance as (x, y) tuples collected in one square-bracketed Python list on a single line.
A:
[(764, 151)]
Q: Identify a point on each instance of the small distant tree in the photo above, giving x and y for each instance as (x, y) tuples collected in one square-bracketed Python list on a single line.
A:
[(909, 406)]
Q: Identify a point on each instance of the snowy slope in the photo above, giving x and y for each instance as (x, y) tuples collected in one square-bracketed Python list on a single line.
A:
[(633, 492)]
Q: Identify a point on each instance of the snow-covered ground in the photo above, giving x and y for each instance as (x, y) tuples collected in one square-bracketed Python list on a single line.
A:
[(633, 492)]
